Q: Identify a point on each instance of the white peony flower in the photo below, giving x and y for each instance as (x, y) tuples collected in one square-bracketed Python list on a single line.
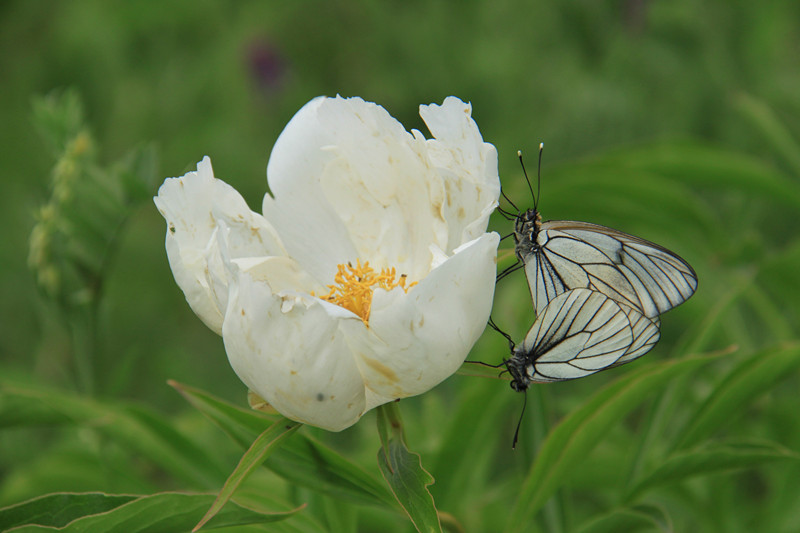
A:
[(370, 275)]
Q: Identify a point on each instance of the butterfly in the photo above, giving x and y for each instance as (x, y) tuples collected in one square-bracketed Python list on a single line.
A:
[(597, 293), (559, 255), (579, 332)]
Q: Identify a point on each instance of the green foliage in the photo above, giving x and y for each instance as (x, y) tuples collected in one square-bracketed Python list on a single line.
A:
[(103, 513), (306, 462), (402, 469), (262, 447), (656, 121), (572, 440)]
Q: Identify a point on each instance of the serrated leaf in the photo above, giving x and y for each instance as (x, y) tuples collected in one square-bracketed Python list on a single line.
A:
[(163, 512), (262, 447), (571, 441), (402, 469), (307, 463), (708, 460), (751, 378)]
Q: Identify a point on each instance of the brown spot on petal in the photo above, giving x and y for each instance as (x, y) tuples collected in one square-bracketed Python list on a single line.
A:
[(242, 312), (436, 210), (381, 369), (254, 231)]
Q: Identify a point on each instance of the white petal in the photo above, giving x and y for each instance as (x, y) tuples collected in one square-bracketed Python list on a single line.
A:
[(382, 187), (370, 190), (194, 206), (468, 166), (418, 339), (295, 356), (310, 228)]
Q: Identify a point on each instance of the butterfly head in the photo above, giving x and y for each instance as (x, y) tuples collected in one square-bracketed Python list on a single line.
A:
[(517, 366)]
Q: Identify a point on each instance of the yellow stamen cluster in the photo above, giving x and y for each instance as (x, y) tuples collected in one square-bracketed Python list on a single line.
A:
[(354, 286)]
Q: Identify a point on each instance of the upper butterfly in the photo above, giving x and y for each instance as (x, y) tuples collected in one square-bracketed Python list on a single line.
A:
[(560, 255)]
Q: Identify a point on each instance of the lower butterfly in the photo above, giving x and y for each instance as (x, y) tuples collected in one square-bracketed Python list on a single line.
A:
[(580, 332)]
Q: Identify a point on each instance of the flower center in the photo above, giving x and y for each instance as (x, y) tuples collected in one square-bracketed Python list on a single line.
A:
[(354, 286)]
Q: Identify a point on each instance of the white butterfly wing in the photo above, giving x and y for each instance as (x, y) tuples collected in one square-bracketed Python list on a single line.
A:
[(646, 333), (629, 270), (578, 333)]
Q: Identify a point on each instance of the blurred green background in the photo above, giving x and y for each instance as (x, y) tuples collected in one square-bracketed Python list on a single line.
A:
[(674, 120)]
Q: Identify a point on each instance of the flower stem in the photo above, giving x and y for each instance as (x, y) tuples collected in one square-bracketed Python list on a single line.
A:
[(390, 423)]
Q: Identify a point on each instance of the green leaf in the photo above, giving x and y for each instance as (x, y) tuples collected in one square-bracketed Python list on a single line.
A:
[(163, 512), (134, 427), (465, 458), (262, 447), (59, 118), (242, 425), (753, 377), (630, 519), (402, 469), (57, 510), (138, 173), (719, 169), (311, 464), (572, 440), (712, 459), (307, 463), (632, 190), (772, 129)]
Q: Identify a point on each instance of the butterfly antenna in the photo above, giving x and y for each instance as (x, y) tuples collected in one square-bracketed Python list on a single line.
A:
[(527, 179), (538, 179), (519, 422)]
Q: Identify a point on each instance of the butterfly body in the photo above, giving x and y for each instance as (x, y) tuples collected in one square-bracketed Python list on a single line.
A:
[(526, 233)]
